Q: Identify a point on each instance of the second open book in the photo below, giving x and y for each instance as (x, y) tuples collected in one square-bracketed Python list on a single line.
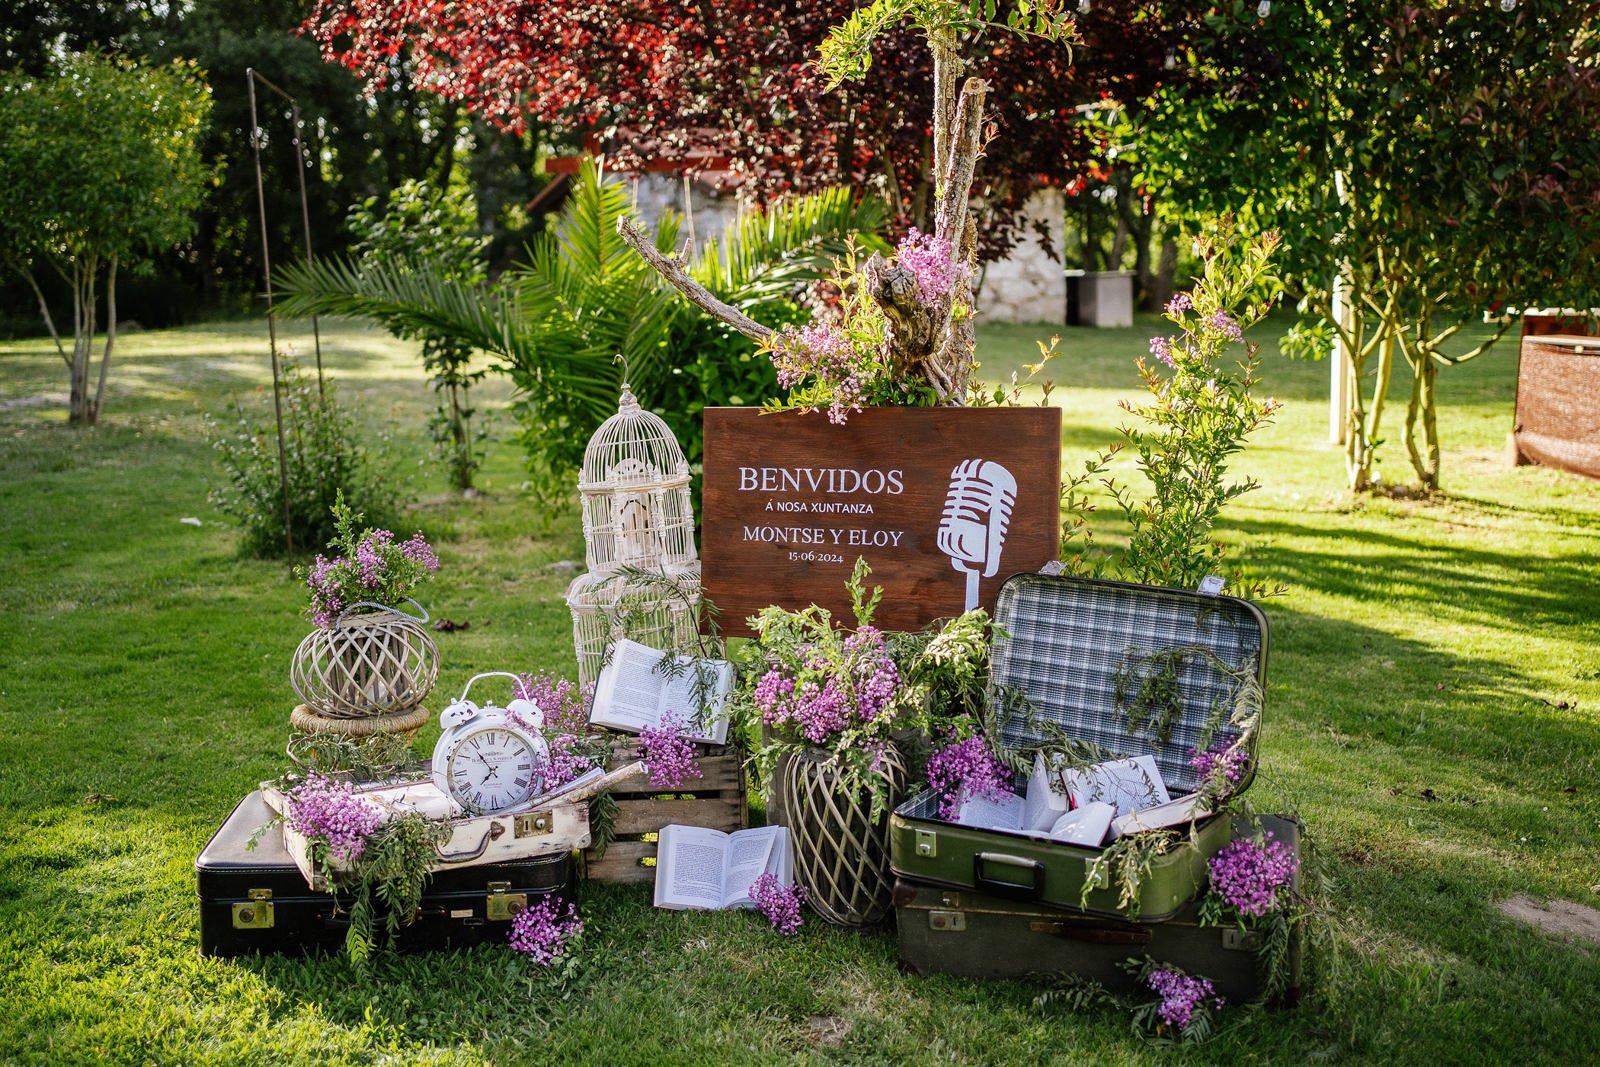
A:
[(697, 867)]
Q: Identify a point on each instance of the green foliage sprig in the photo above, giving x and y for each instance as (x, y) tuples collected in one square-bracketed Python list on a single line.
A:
[(393, 871), (1127, 862), (327, 455)]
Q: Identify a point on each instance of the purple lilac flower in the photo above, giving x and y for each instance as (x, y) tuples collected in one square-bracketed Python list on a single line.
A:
[(1248, 876), (668, 754), (369, 557), (565, 705), (1222, 760), (822, 351), (780, 904), (1180, 996), (861, 689), (321, 809), (542, 933), (419, 551), (964, 769), (1220, 321), (1161, 348), (931, 262), (1179, 303)]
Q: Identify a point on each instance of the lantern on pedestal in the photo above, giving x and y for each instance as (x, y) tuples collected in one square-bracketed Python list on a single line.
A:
[(643, 579)]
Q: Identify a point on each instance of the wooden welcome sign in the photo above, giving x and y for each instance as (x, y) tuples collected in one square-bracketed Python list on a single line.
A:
[(943, 503)]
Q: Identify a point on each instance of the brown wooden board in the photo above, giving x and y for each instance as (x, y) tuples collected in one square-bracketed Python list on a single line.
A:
[(716, 799), (943, 504)]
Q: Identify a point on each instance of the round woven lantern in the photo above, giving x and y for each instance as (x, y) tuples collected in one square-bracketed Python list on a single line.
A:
[(841, 855), (379, 663)]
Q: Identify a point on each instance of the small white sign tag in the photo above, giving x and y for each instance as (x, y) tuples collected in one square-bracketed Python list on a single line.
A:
[(1211, 585)]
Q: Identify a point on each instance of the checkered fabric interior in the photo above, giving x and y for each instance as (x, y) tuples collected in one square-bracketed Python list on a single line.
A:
[(1066, 637)]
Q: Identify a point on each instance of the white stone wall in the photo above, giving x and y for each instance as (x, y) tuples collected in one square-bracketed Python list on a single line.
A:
[(714, 212), (1028, 285)]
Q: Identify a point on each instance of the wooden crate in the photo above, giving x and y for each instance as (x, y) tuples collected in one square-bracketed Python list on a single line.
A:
[(716, 799)]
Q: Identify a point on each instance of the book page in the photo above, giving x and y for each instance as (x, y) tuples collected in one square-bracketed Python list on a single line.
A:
[(1043, 804), (978, 810), (627, 692), (750, 855), (684, 694), (1129, 785), (689, 866)]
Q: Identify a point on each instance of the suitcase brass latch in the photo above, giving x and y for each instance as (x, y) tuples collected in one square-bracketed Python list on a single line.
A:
[(953, 921), (1240, 940), (927, 843), (534, 823), (256, 914), (502, 905)]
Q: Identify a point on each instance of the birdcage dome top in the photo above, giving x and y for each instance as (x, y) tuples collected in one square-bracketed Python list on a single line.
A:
[(634, 447)]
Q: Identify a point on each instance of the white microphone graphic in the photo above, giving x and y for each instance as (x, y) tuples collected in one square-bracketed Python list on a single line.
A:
[(977, 511)]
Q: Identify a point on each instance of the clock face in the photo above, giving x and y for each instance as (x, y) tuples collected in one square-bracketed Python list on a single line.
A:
[(494, 769)]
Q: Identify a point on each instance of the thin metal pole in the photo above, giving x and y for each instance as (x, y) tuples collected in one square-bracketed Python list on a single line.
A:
[(305, 224), (272, 327)]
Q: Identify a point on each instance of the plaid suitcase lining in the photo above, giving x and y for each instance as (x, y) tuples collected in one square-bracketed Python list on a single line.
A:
[(1066, 640)]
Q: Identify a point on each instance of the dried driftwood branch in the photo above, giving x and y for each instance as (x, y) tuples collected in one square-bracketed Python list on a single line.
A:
[(672, 270)]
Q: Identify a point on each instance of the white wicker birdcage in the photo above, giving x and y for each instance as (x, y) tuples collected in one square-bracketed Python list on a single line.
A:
[(643, 579), (659, 612), (635, 491)]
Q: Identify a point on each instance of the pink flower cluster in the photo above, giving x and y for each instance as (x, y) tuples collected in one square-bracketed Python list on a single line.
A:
[(779, 903), (321, 809), (668, 753), (1179, 303), (1180, 996), (830, 697), (1220, 322), (542, 933), (964, 769), (822, 351), (565, 706), (1248, 876), (378, 570), (931, 261), (1220, 760), (418, 550)]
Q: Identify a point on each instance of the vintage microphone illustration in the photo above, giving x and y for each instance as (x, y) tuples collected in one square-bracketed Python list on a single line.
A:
[(977, 511)]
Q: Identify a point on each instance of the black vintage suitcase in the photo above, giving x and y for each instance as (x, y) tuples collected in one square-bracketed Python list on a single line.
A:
[(961, 932), (1061, 644), (256, 900)]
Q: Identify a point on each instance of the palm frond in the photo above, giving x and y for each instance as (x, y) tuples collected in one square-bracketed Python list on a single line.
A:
[(766, 253)]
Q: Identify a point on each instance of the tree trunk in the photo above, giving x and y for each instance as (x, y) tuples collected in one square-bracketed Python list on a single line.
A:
[(83, 318), (1144, 225), (111, 338), (1165, 280), (1422, 413), (44, 310)]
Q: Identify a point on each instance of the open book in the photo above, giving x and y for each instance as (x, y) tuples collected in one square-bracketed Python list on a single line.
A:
[(697, 867), (640, 685)]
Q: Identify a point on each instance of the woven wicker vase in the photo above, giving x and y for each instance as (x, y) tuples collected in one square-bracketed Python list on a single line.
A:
[(841, 854), (379, 663)]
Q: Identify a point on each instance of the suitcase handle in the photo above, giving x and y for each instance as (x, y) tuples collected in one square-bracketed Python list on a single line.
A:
[(1001, 888), (494, 831), (1094, 935)]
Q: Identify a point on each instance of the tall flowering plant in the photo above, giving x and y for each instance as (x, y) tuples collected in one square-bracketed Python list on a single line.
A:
[(368, 567)]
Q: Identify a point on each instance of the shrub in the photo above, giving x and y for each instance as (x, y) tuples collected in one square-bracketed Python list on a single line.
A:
[(325, 454)]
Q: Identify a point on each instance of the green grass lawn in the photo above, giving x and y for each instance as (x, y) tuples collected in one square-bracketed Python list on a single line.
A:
[(1432, 711)]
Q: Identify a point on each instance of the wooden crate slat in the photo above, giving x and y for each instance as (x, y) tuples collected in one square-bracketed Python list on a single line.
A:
[(621, 863), (717, 773), (649, 816)]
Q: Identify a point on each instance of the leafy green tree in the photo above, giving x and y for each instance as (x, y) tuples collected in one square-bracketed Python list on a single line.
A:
[(422, 225), (1438, 158), (556, 321), (99, 166)]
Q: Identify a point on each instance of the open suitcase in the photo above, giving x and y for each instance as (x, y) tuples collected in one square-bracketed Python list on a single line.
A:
[(975, 935), (256, 900), (1062, 643)]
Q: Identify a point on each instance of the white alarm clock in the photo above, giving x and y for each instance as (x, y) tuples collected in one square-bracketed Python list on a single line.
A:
[(486, 760)]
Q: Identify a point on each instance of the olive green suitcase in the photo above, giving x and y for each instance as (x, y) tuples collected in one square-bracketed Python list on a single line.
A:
[(1060, 646), (976, 935)]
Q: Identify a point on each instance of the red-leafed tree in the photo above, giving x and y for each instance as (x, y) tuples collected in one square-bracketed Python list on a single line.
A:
[(734, 82)]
